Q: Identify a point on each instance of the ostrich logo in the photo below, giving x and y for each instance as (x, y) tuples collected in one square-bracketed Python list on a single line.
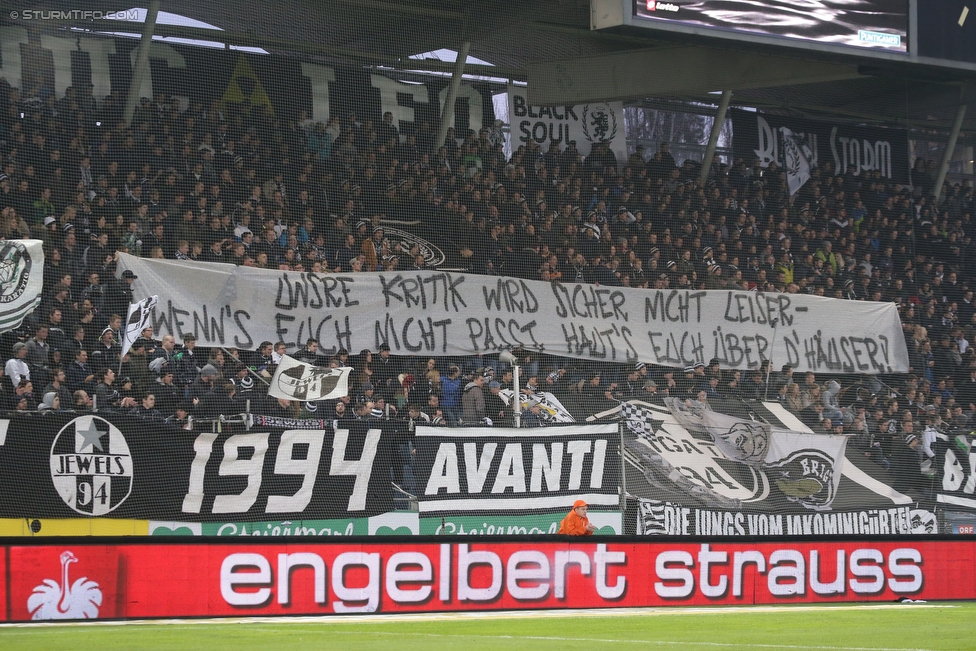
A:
[(78, 600)]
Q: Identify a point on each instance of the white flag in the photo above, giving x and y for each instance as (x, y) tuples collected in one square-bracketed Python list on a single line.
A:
[(295, 380), (21, 280), (796, 157), (552, 410), (137, 321), (806, 467)]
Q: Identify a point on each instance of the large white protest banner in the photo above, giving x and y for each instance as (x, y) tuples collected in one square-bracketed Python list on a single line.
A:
[(21, 280), (587, 124), (438, 313)]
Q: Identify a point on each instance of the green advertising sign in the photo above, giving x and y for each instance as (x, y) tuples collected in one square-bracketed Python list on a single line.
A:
[(388, 524), (512, 525)]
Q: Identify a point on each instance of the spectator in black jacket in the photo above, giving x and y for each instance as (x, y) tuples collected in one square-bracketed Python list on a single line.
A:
[(118, 296), (79, 374)]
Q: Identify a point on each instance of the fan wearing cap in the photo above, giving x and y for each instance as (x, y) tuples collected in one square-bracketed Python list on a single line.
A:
[(576, 523)]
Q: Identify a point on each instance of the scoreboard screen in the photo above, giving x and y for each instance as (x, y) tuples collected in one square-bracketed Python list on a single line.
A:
[(872, 24)]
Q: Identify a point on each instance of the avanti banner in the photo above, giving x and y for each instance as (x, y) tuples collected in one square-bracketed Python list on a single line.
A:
[(507, 470)]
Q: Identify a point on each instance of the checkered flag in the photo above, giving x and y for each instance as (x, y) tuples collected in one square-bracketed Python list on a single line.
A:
[(650, 519), (638, 419)]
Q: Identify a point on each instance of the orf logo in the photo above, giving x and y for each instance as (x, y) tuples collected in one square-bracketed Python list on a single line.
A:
[(91, 466), (15, 271)]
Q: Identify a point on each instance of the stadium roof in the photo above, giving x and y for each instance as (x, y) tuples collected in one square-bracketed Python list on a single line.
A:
[(523, 38)]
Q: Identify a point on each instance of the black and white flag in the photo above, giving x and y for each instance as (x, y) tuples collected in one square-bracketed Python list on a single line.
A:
[(638, 419), (739, 439), (295, 380), (21, 280), (136, 322), (797, 156), (552, 410), (806, 467)]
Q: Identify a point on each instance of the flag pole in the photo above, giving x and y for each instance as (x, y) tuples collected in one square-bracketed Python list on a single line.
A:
[(249, 369)]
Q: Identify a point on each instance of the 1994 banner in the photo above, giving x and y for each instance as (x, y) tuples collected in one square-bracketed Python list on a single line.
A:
[(55, 466)]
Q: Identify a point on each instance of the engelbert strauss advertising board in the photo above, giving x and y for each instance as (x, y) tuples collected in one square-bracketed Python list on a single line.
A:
[(198, 579)]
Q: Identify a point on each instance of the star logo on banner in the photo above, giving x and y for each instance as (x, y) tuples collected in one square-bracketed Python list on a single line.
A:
[(90, 437)]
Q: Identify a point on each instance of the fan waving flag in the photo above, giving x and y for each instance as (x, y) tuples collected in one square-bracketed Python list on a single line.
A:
[(136, 322), (295, 380), (797, 157), (21, 280)]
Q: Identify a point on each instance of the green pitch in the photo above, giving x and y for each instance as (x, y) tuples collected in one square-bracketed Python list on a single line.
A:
[(915, 627)]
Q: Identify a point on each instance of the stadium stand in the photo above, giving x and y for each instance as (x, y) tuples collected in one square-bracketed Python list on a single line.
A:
[(241, 187)]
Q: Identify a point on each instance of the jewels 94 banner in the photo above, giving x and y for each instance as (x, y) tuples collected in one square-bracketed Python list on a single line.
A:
[(70, 466)]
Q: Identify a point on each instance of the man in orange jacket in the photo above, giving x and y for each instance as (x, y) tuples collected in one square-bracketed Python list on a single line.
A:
[(575, 523)]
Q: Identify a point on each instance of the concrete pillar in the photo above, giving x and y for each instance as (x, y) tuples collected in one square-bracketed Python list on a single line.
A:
[(141, 68), (723, 107), (950, 146), (447, 111)]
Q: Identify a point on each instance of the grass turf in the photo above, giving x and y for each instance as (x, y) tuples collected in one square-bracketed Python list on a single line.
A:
[(935, 627)]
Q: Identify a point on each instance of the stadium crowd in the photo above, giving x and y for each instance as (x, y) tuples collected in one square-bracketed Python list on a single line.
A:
[(237, 185)]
